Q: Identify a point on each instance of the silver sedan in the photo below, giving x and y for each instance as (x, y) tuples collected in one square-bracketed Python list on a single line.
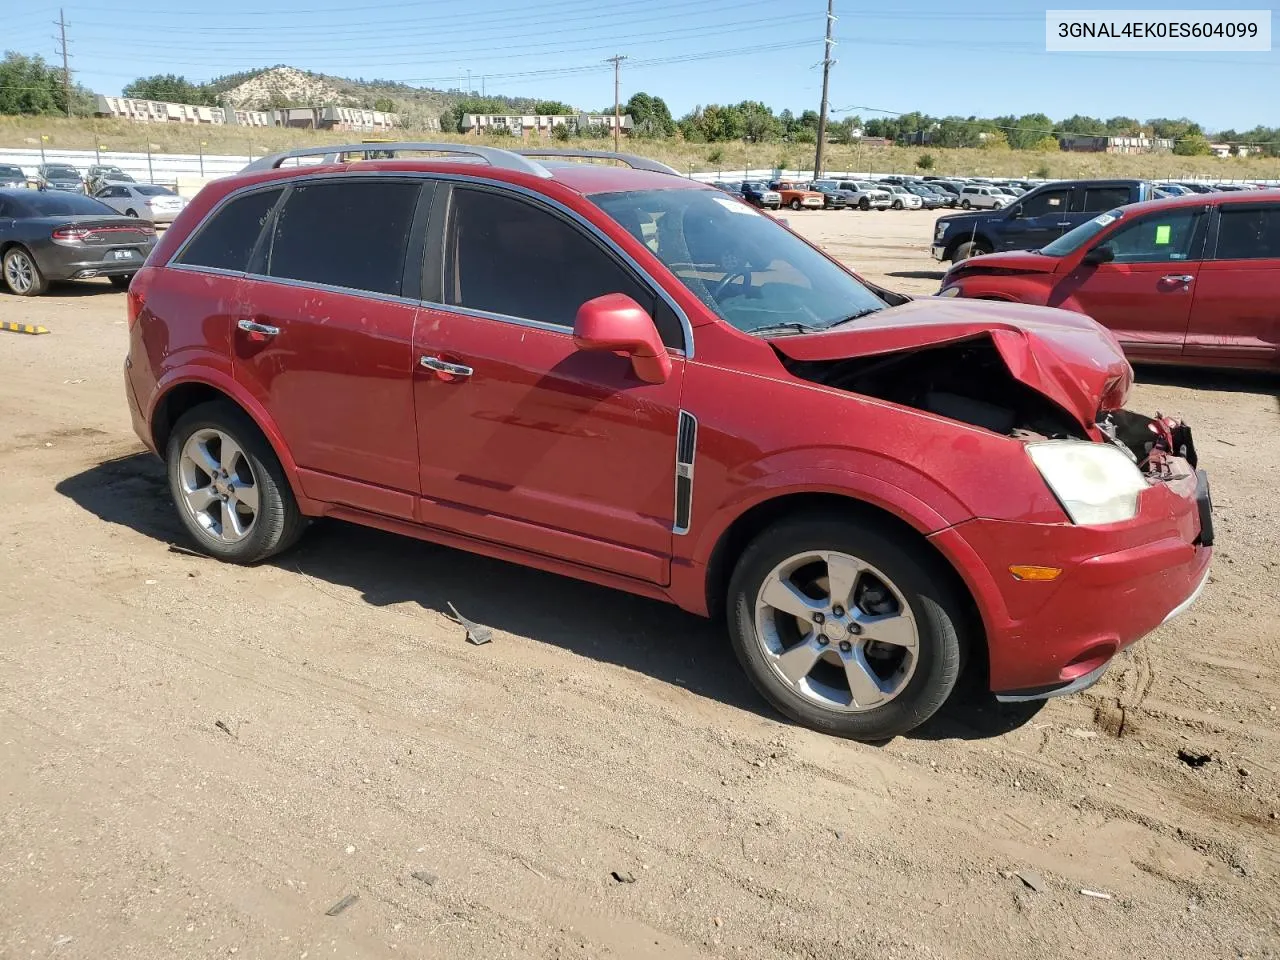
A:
[(144, 200)]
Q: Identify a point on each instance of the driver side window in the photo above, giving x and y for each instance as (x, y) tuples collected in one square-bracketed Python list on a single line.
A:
[(1051, 201), (512, 258), (1159, 238)]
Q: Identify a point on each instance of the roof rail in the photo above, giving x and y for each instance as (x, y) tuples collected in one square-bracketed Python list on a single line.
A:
[(630, 159), (501, 159)]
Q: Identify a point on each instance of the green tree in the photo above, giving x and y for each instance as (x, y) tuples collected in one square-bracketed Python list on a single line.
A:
[(554, 108), (994, 140), (1047, 145), (1193, 145), (385, 105), (758, 122), (650, 116), (1124, 127), (1084, 126), (925, 161), (1174, 129), (171, 88), (28, 85)]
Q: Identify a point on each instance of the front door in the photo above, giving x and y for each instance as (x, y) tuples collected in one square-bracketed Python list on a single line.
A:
[(1036, 221), (1144, 295), (324, 337), (1235, 316), (524, 439)]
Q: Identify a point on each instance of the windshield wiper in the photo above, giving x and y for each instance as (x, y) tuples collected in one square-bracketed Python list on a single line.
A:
[(790, 326), (854, 316)]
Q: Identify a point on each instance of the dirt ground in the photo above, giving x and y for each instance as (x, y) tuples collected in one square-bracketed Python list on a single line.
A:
[(201, 760)]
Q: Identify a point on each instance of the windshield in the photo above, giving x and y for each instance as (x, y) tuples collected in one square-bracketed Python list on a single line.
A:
[(69, 172), (7, 171), (1073, 240), (749, 270), (149, 191), (61, 204)]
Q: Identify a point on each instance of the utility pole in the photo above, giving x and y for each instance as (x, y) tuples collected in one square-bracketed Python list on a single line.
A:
[(617, 106), (61, 24), (826, 79)]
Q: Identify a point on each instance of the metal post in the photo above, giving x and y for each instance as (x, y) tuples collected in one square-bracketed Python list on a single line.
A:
[(66, 69), (617, 109), (151, 174), (202, 146), (43, 138)]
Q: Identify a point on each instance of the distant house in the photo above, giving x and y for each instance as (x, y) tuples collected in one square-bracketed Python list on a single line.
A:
[(541, 124), (1083, 143), (875, 141), (1226, 149), (339, 118)]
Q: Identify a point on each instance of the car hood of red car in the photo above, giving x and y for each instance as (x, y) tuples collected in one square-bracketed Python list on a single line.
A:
[(1066, 356), (1015, 261)]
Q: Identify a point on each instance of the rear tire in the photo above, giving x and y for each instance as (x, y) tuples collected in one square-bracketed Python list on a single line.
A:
[(21, 274), (965, 203), (216, 448), (121, 283), (898, 584), (897, 204), (864, 204)]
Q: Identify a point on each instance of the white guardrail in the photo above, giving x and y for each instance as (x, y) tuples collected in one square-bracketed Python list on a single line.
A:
[(189, 171)]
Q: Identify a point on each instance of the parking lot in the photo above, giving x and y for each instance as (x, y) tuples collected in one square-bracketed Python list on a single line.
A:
[(202, 760)]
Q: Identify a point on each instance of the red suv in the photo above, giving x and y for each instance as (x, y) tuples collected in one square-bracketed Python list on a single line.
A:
[(1189, 280), (625, 376)]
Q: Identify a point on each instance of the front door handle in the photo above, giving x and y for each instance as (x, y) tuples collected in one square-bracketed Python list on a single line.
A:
[(259, 329), (1178, 278), (444, 366)]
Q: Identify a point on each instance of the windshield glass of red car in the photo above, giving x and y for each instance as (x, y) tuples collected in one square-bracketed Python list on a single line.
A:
[(749, 270), (1073, 240)]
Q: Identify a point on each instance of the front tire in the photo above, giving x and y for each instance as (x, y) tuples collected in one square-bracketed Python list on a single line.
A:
[(796, 205), (897, 204), (970, 248), (229, 488), (965, 204), (864, 204), (845, 627), (121, 283), (22, 275)]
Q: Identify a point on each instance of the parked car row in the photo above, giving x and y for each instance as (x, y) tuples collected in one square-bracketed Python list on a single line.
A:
[(1191, 279), (838, 194)]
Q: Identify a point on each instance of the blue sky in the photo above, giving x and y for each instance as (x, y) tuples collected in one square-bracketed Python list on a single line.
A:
[(927, 55)]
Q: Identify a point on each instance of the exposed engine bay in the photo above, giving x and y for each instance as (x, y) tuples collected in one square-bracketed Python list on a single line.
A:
[(968, 381)]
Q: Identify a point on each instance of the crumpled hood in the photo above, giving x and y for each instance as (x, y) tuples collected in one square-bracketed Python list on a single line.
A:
[(1066, 356)]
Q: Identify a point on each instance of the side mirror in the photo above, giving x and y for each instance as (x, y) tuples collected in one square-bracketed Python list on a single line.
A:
[(1015, 212), (617, 323), (1099, 254)]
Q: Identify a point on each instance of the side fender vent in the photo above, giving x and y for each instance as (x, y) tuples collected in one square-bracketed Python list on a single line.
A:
[(686, 449)]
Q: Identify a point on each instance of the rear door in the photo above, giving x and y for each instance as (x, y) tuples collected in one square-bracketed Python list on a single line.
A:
[(1144, 296), (324, 339), (1235, 315), (1036, 220)]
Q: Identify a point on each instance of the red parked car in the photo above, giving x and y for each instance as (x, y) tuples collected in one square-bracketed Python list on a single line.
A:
[(625, 376), (1188, 280)]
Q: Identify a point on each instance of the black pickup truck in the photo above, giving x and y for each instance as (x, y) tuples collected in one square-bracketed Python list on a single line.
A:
[(1035, 219)]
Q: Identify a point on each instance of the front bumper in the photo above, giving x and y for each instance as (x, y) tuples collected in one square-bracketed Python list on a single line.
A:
[(937, 252), (1118, 583)]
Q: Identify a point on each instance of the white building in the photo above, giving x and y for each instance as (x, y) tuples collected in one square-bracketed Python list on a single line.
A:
[(542, 124)]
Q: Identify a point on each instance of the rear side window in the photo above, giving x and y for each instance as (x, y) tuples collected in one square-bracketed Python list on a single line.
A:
[(345, 233), (1097, 199), (512, 258), (1050, 201), (227, 239), (1248, 233)]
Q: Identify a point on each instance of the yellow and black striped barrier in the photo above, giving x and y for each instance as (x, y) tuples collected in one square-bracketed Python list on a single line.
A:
[(12, 327)]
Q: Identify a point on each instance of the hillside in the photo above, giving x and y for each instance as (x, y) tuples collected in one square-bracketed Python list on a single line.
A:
[(729, 158)]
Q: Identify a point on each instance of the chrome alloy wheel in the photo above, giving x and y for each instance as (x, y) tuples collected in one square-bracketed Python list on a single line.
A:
[(218, 486), (19, 272), (836, 631)]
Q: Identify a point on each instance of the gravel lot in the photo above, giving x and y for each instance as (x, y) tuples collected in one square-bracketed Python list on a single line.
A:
[(201, 760)]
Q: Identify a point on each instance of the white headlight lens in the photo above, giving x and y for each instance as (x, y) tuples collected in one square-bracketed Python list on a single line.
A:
[(1095, 482), (950, 292)]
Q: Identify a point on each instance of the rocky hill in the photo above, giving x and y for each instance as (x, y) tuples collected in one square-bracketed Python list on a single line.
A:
[(285, 85)]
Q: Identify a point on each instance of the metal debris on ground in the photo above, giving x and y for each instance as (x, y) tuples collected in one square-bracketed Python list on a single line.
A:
[(424, 876), (342, 904), (476, 633), (1096, 895), (1032, 879), (1193, 758), (222, 725), (623, 876)]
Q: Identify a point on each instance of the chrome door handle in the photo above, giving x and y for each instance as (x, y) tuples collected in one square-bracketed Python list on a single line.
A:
[(444, 366), (262, 329), (1178, 278)]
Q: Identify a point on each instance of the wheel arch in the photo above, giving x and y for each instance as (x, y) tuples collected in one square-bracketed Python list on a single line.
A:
[(975, 237), (176, 398), (756, 518)]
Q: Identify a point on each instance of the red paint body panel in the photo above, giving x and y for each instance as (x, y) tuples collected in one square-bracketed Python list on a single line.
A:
[(1225, 315), (565, 460)]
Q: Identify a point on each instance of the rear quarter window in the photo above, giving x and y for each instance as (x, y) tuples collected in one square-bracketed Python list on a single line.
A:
[(225, 241), (1098, 199)]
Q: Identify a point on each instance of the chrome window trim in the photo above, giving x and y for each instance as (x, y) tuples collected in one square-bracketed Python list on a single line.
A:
[(284, 182), (332, 288), (196, 268)]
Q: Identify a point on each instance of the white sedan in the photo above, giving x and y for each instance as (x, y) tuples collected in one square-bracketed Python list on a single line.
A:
[(144, 200)]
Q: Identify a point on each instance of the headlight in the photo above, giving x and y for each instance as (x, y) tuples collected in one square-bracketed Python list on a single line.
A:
[(950, 291), (1095, 482), (939, 231)]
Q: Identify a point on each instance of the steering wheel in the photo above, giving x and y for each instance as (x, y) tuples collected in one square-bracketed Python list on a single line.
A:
[(732, 275)]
